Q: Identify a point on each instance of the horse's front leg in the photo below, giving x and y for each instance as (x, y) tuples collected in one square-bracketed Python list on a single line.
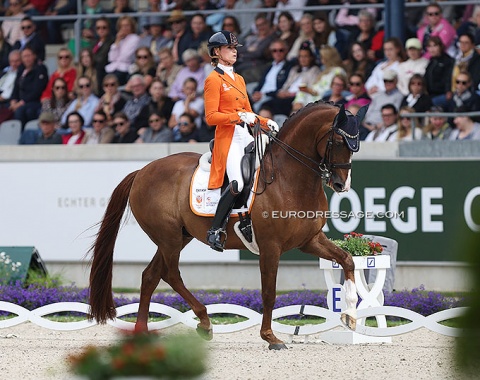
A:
[(321, 246), (268, 271)]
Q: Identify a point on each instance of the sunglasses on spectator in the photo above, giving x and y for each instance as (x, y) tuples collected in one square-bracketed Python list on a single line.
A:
[(404, 117), (388, 81), (86, 85), (357, 84), (464, 82), (26, 27), (277, 50), (433, 13), (59, 87), (154, 120), (183, 124), (64, 57), (120, 124), (142, 56), (98, 121), (101, 27), (110, 84)]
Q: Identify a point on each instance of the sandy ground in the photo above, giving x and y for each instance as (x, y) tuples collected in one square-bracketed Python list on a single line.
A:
[(28, 352)]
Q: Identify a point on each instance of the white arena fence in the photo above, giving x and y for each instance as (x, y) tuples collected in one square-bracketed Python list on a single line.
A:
[(253, 318)]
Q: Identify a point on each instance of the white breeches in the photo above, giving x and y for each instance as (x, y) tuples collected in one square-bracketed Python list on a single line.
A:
[(241, 138)]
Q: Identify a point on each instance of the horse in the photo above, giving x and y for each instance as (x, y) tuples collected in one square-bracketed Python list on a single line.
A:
[(314, 147)]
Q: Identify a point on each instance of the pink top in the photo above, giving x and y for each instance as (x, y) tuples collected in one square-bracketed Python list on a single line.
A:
[(443, 30), (122, 55)]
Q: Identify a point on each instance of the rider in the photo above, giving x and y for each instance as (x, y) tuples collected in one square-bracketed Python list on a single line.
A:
[(227, 106)]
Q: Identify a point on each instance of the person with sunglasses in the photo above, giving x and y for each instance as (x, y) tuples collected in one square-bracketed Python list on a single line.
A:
[(274, 76), (112, 100), (65, 69), (58, 101), (31, 39), (157, 131), (100, 133), (85, 103), (101, 48), (463, 94), (123, 133), (436, 25)]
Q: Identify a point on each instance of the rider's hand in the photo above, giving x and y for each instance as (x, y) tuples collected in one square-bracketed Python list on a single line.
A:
[(273, 126), (247, 117)]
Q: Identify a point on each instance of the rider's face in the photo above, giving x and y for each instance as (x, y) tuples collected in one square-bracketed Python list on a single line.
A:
[(228, 54)]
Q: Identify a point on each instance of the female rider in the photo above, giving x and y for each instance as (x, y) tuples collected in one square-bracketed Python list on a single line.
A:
[(227, 106)]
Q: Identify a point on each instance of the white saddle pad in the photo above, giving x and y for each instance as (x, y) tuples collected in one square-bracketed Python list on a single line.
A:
[(203, 201)]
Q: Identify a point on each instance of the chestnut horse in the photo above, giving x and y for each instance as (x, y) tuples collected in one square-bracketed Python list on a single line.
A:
[(313, 147)]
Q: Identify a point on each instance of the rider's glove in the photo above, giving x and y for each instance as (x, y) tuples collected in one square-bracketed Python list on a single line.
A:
[(247, 117), (273, 126)]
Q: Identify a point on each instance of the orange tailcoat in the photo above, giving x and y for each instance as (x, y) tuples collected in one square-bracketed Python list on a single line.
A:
[(224, 99)]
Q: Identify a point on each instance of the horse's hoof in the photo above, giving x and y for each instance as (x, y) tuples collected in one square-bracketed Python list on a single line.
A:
[(349, 321), (277, 346), (206, 334)]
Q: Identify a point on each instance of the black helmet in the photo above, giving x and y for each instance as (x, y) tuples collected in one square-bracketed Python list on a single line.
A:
[(222, 38)]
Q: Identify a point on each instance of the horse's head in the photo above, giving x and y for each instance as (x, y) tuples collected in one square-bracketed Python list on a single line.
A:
[(343, 141)]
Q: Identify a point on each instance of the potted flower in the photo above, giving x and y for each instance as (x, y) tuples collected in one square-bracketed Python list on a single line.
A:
[(358, 245), (145, 355)]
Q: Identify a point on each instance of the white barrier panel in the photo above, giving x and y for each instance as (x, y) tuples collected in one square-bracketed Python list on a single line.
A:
[(54, 206)]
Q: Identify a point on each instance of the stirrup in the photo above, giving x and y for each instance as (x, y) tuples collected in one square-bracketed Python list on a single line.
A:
[(214, 239)]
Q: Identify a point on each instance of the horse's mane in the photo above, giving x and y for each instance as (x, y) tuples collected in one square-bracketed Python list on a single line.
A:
[(290, 121)]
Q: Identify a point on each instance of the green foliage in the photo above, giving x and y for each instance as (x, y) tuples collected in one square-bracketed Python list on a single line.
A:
[(358, 245)]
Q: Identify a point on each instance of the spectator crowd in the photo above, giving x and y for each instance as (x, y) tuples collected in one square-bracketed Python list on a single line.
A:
[(140, 79)]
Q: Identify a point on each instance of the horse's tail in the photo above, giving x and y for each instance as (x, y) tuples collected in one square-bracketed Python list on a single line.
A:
[(102, 306)]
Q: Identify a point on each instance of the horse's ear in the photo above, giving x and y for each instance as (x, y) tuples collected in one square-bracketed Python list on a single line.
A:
[(341, 118), (361, 114)]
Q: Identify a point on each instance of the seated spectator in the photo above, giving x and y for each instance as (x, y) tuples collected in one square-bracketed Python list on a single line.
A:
[(101, 48), (254, 55), (91, 7), (287, 29), (8, 77), (266, 112), (363, 33), (394, 54), (144, 65), (154, 38), (112, 100), (31, 39), (185, 130), (11, 27), (216, 21), (438, 127), (30, 82), (65, 70), (374, 118), (54, 26), (468, 60), (415, 64), (49, 134), (417, 97), (154, 6), (326, 34), (274, 76), (246, 19), (357, 61), (387, 127), (302, 75), (463, 94), (349, 18), (435, 25), (179, 25), (101, 133), (58, 101), (332, 66), (337, 87), (167, 69), (438, 72), (122, 51), (191, 104), (87, 41), (85, 103), (159, 103), (75, 124), (123, 133), (133, 106), (466, 128), (408, 128), (306, 33), (86, 68), (192, 69), (358, 94), (157, 131), (199, 31), (230, 23)]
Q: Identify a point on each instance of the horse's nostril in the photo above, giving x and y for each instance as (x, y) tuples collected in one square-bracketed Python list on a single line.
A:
[(338, 186)]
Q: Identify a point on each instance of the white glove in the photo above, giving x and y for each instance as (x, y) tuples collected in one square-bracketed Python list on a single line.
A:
[(272, 124), (248, 117)]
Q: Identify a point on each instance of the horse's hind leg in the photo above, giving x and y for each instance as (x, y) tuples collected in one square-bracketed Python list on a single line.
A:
[(321, 246), (150, 278), (174, 279)]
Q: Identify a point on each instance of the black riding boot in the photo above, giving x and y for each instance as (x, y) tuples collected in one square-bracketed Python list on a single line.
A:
[(225, 205)]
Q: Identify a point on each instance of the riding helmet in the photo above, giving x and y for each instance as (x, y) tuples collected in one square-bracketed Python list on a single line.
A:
[(222, 38)]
